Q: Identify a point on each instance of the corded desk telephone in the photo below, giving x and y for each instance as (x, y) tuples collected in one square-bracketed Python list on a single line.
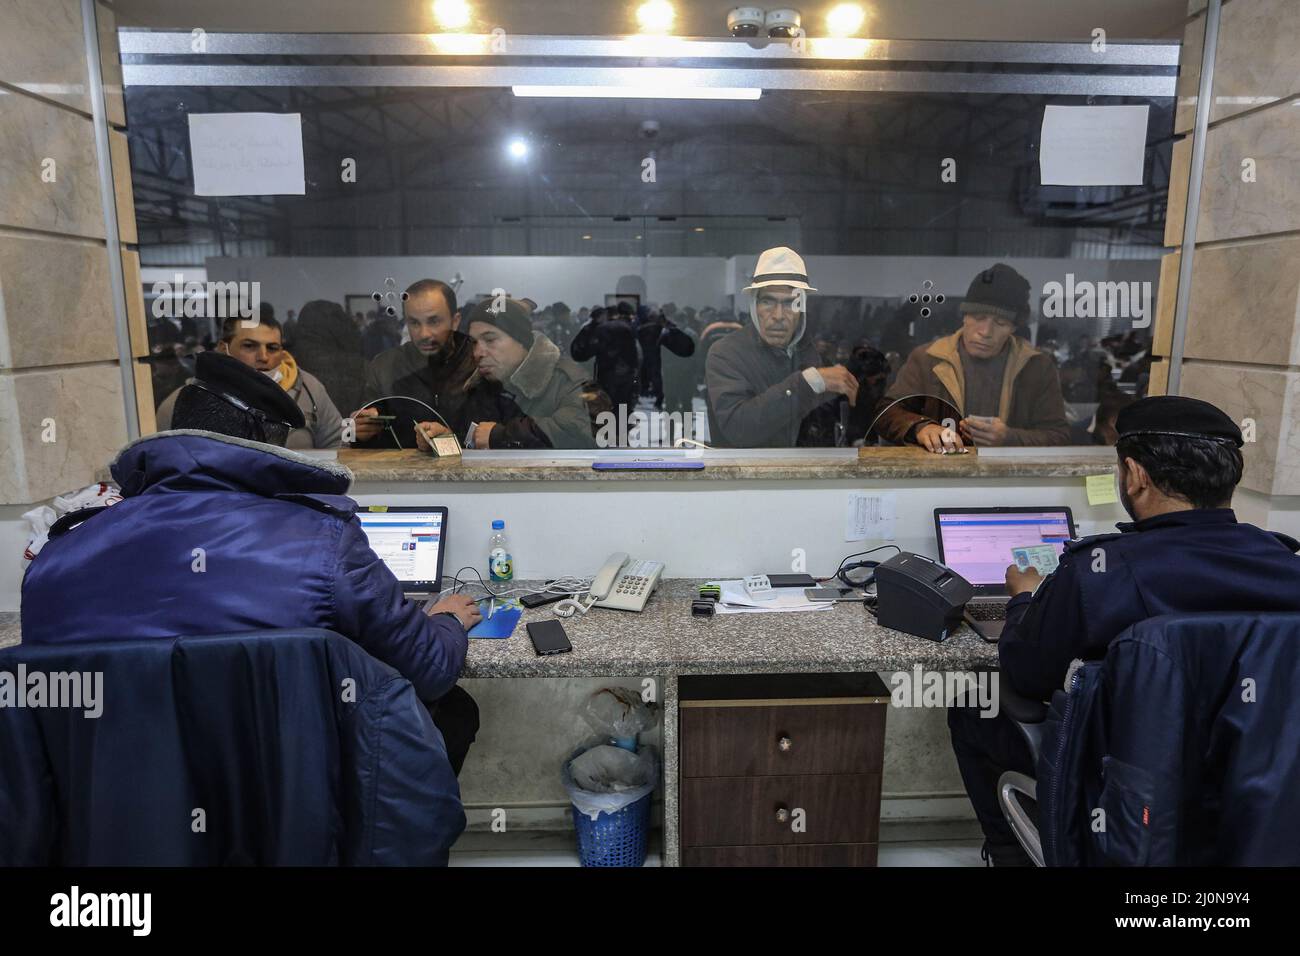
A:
[(625, 584)]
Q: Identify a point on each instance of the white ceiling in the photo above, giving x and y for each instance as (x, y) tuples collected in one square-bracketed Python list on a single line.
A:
[(888, 19)]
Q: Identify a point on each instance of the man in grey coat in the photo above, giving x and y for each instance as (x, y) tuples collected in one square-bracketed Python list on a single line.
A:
[(525, 392), (763, 380)]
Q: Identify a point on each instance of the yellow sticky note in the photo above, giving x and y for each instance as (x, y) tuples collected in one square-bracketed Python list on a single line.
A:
[(1101, 489)]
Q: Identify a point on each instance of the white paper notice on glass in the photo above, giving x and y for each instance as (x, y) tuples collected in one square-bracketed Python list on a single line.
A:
[(870, 516), (1093, 145), (247, 154)]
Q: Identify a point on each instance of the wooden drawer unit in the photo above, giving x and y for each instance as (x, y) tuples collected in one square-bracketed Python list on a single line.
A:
[(781, 769), (813, 854), (781, 738), (755, 811)]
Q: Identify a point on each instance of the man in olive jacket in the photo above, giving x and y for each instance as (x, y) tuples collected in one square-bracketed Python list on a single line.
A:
[(537, 397), (1007, 391)]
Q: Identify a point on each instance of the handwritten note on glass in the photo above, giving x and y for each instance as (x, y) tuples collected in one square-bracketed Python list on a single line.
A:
[(1093, 145), (247, 154)]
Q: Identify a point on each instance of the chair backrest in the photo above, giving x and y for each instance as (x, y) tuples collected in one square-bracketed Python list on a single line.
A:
[(289, 747), (1191, 748)]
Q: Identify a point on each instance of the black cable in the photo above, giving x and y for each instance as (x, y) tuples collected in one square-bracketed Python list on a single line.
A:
[(842, 571), (458, 585)]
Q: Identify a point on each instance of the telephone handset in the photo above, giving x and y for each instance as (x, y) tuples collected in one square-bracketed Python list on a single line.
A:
[(625, 584)]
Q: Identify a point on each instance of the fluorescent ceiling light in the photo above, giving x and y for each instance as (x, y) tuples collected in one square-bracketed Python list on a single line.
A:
[(643, 93)]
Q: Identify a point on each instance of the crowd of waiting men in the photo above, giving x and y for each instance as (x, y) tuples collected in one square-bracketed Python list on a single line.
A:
[(785, 370)]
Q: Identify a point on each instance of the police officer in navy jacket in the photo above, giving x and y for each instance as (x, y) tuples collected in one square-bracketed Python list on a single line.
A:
[(221, 529), (1179, 461)]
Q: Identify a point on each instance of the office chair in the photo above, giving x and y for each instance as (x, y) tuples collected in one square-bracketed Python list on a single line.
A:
[(1184, 742), (1028, 716), (286, 747)]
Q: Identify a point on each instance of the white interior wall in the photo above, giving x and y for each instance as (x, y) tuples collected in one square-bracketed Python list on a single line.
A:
[(288, 282)]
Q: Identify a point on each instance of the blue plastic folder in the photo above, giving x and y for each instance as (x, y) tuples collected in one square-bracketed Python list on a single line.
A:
[(500, 624)]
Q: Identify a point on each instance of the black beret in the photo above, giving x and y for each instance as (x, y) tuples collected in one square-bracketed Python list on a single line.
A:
[(1178, 416), (515, 320), (246, 387)]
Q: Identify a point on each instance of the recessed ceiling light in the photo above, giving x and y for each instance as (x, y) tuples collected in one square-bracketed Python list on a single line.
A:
[(451, 14), (845, 19), (518, 148), (655, 16)]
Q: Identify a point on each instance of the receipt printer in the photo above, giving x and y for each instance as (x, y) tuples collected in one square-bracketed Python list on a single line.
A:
[(920, 596)]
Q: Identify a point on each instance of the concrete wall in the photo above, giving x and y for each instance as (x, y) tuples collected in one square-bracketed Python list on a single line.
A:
[(1242, 348), (61, 403)]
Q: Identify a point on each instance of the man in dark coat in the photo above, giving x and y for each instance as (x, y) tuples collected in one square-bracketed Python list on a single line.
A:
[(611, 341), (328, 345), (222, 530), (1178, 464), (764, 380), (428, 374)]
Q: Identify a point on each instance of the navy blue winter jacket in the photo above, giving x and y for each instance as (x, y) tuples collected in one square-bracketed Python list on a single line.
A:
[(215, 536), (1179, 748)]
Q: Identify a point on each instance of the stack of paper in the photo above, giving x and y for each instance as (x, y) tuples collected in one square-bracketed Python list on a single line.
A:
[(736, 600)]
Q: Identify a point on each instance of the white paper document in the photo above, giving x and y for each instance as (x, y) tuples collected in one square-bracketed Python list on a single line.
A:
[(736, 600), (1093, 145), (870, 516), (247, 154)]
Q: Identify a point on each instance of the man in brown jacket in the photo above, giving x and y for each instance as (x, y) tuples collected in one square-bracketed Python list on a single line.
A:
[(1007, 391)]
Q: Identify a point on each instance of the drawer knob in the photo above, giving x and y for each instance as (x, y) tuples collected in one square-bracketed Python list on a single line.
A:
[(784, 744), (782, 815)]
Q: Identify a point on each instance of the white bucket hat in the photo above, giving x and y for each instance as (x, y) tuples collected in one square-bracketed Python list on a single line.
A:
[(780, 266)]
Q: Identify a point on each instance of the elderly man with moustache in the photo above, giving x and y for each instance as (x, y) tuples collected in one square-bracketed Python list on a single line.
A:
[(764, 380)]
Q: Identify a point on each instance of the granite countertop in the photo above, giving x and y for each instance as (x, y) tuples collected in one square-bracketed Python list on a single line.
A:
[(666, 638), (10, 628), (783, 465)]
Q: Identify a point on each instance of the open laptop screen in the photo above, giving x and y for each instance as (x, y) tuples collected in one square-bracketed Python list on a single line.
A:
[(410, 541), (977, 543)]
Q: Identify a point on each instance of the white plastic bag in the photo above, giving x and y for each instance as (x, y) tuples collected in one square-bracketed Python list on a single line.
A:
[(617, 712), (605, 779), (42, 517)]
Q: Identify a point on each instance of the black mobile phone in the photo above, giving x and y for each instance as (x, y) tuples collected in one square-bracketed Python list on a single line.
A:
[(548, 637), (833, 594), (792, 580), (531, 601)]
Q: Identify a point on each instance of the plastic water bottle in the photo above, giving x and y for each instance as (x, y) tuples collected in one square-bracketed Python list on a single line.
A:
[(501, 564)]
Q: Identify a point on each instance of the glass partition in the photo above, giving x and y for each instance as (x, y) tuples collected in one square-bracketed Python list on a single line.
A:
[(537, 242)]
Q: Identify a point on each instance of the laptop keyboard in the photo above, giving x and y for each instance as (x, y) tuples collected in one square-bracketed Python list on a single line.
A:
[(987, 611)]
